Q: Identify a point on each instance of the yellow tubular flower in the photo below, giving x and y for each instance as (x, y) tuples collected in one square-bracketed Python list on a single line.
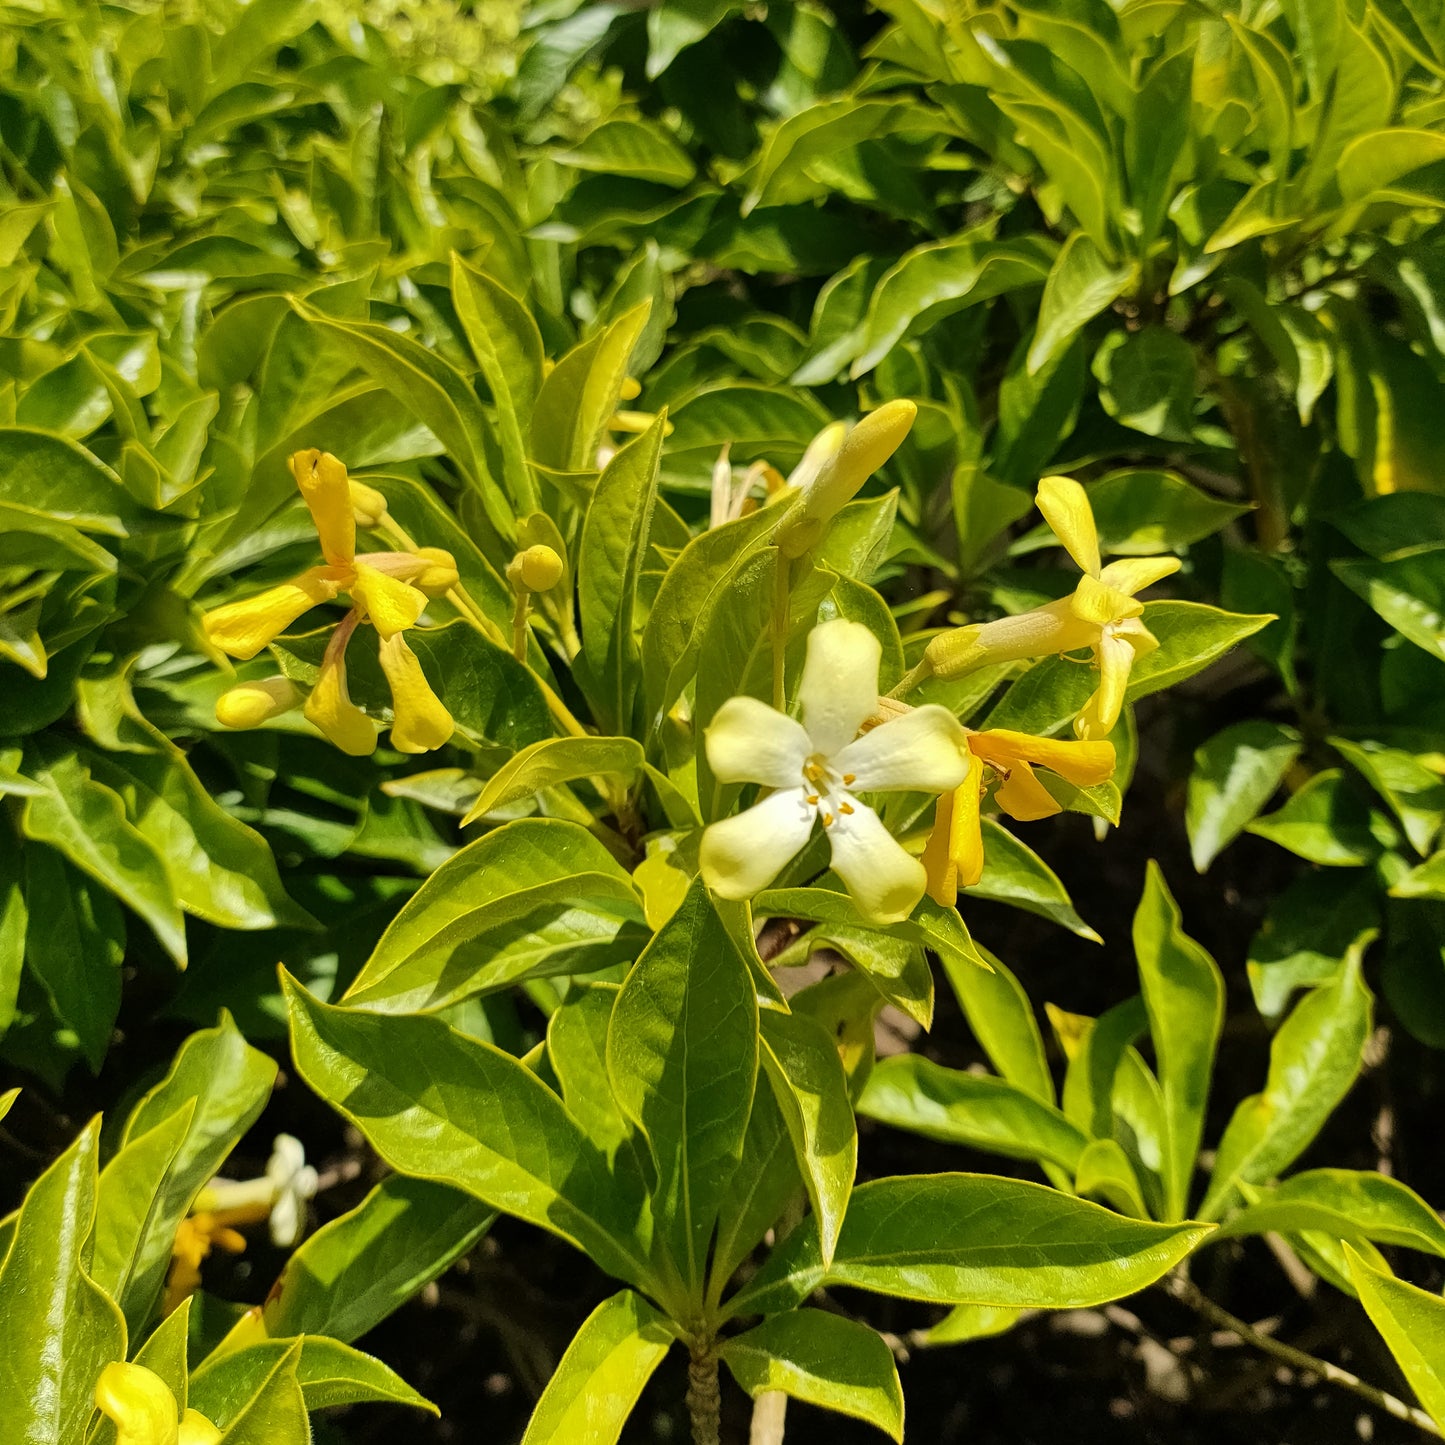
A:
[(197, 1236), (140, 1405), (249, 704), (1101, 614), (242, 629), (419, 721), (953, 857), (330, 708)]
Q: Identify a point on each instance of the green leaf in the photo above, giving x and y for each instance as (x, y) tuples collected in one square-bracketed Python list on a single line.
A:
[(1235, 774), (14, 921), (1345, 1203), (1415, 793), (1105, 1173), (914, 1093), (1036, 411), (1145, 513), (621, 147), (682, 1055), (673, 25), (6, 1100), (86, 821), (1306, 934), (609, 564), (353, 1272), (534, 898), (935, 280), (973, 1239), (1412, 1322), (1184, 997), (1375, 165), (134, 1228), (580, 394), (58, 1328), (328, 1372), (66, 482), (1426, 881), (1147, 381), (1408, 592), (164, 1352), (835, 1363), (1081, 283), (555, 760), (1014, 873), (597, 1382), (443, 1106), (1325, 822), (972, 1322), (271, 1412), (807, 1077), (1313, 1061)]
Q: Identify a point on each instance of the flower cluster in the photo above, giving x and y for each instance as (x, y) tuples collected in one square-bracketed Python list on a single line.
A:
[(388, 591)]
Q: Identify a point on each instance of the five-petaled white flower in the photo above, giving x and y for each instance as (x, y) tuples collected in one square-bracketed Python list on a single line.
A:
[(818, 767)]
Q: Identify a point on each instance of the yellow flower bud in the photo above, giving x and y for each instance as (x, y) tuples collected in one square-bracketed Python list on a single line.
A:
[(630, 389), (439, 575), (866, 447), (249, 704), (538, 569), (143, 1410), (368, 506)]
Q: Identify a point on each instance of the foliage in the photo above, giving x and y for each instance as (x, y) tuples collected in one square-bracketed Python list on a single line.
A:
[(668, 390)]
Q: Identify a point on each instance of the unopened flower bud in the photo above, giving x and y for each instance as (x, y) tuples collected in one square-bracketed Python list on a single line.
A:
[(367, 504), (439, 575), (630, 389), (249, 704), (538, 569), (865, 448)]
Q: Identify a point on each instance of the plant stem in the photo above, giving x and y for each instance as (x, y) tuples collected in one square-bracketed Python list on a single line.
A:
[(911, 679), (770, 1418), (1188, 1293), (704, 1398), (519, 625)]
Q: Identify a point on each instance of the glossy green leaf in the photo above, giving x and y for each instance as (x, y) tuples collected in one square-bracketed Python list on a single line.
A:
[(1147, 381), (972, 1322), (1313, 1061), (1014, 873), (1081, 283), (1143, 513), (1184, 997), (836, 1363), (555, 760), (1001, 1016), (1412, 1322), (957, 1107), (622, 147), (354, 1271), (536, 897), (440, 1105), (58, 1328), (269, 1409), (1408, 593), (682, 1055), (597, 1382), (1325, 822), (1235, 774), (807, 1077), (1415, 792), (973, 1239)]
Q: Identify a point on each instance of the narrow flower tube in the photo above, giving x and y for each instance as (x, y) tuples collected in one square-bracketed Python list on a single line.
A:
[(250, 704), (330, 708)]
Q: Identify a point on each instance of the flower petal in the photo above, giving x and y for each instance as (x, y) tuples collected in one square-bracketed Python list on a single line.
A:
[(741, 856), (250, 704), (1022, 796), (332, 711), (750, 742), (942, 871), (1093, 602), (197, 1430), (925, 749), (1134, 574), (326, 491), (391, 606), (140, 1404), (1066, 509), (1040, 632), (1115, 652), (419, 720), (242, 629), (884, 880), (1083, 764), (839, 688)]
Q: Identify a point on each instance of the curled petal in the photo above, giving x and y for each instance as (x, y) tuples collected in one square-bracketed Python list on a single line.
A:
[(1095, 603), (839, 688), (938, 865), (1115, 652), (954, 853), (391, 605), (750, 742), (242, 629), (139, 1403), (1022, 796), (925, 749), (419, 720), (884, 880), (1134, 574), (1083, 764), (1066, 509), (332, 711), (326, 491), (740, 856), (197, 1430)]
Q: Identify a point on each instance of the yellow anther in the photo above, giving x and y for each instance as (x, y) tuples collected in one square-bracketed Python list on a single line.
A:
[(813, 800), (850, 778), (845, 807), (827, 820)]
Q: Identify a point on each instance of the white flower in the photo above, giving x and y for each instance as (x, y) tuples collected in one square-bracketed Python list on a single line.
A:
[(818, 767), (293, 1181)]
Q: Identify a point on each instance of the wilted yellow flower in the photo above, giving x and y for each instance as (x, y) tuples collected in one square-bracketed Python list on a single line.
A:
[(389, 590), (953, 857), (1101, 614), (144, 1411)]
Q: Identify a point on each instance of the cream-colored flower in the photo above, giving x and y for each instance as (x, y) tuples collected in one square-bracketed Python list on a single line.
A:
[(1101, 614), (818, 767)]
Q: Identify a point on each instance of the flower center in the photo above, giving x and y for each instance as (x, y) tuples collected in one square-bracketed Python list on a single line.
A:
[(824, 789)]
